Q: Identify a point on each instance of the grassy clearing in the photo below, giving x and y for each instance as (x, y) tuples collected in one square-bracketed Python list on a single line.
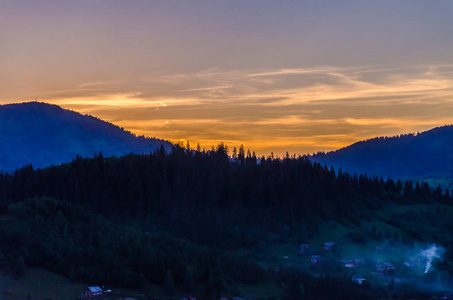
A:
[(261, 291), (406, 258), (42, 284), (274, 254), (39, 283), (387, 211)]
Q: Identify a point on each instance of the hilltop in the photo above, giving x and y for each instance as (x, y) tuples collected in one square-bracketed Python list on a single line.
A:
[(44, 134), (423, 156)]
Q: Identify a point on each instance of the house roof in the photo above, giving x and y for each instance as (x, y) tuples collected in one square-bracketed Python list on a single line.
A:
[(95, 289), (347, 261), (386, 264)]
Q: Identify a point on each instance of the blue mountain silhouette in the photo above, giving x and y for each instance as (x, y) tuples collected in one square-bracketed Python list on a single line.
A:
[(44, 134), (423, 156)]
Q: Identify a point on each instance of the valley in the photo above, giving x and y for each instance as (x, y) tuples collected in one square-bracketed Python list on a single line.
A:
[(126, 223), (175, 221)]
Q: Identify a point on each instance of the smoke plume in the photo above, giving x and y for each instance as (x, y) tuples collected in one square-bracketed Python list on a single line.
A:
[(430, 254)]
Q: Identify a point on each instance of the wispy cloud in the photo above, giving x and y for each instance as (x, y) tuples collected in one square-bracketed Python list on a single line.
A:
[(293, 71), (298, 110)]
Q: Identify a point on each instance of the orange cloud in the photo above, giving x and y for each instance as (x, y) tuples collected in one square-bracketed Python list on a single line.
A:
[(296, 110)]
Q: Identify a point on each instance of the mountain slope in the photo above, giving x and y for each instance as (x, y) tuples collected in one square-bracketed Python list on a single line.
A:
[(44, 134), (424, 156)]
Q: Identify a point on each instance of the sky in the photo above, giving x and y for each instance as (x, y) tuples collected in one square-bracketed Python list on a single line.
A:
[(275, 76)]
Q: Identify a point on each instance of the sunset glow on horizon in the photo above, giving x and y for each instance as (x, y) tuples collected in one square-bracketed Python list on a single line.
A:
[(274, 76)]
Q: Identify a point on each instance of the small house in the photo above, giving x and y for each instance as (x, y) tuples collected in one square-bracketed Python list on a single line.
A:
[(315, 260), (91, 292), (327, 246), (304, 249), (348, 263), (358, 278), (386, 266)]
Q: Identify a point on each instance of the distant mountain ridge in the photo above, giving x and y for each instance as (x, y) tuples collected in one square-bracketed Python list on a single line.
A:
[(44, 134), (424, 156)]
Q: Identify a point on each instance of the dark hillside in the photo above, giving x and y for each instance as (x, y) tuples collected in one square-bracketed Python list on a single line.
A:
[(207, 197), (423, 156), (187, 220), (44, 134)]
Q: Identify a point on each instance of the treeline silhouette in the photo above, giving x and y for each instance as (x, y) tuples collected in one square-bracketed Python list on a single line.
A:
[(207, 196)]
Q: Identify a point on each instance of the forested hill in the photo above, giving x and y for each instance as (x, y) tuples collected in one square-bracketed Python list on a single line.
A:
[(181, 215), (44, 134), (205, 193), (424, 156)]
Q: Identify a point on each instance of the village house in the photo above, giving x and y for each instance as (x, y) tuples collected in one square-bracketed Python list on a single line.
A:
[(358, 278), (304, 249), (348, 263), (386, 266), (315, 260), (91, 292), (327, 246)]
